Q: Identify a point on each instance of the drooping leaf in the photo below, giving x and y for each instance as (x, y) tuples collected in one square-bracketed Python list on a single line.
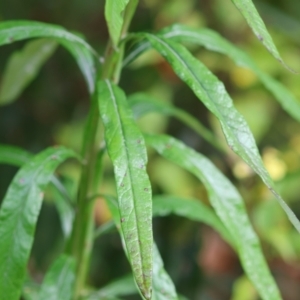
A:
[(23, 67), (215, 42), (228, 205), (114, 17), (189, 208), (13, 155), (64, 204), (120, 287), (126, 148), (12, 31), (142, 104), (212, 93), (18, 216), (18, 157), (163, 287), (59, 280), (248, 10)]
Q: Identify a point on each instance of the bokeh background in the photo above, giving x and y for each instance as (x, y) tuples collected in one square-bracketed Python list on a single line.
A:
[(53, 108)]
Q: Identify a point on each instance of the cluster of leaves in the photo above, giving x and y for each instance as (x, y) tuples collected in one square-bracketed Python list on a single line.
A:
[(134, 206)]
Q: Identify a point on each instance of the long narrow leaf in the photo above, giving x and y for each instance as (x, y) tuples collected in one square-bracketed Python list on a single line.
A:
[(114, 17), (163, 287), (59, 280), (23, 67), (215, 42), (142, 104), (192, 209), (212, 93), (18, 157), (18, 216), (126, 148), (11, 31), (228, 205), (248, 10)]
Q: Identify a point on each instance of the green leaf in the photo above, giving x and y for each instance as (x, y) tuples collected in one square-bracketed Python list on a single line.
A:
[(18, 216), (215, 42), (12, 31), (114, 10), (18, 157), (13, 155), (212, 93), (248, 10), (189, 208), (59, 280), (142, 104), (23, 67), (228, 205), (127, 150), (163, 287), (120, 287), (30, 289)]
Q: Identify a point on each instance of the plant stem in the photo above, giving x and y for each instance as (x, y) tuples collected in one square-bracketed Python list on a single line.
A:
[(81, 241)]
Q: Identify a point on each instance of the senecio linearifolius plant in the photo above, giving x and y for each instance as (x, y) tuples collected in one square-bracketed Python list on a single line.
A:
[(134, 205)]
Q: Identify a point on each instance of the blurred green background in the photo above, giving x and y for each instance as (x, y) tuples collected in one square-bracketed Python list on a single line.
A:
[(53, 108)]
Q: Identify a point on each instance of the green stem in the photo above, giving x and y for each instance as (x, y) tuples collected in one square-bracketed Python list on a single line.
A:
[(81, 241)]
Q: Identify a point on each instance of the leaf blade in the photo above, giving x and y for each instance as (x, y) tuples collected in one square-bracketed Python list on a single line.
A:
[(191, 209), (58, 282), (228, 205), (215, 42), (23, 67), (13, 155), (126, 148), (142, 104), (250, 13), (214, 96), (114, 18), (12, 31), (163, 287), (18, 217)]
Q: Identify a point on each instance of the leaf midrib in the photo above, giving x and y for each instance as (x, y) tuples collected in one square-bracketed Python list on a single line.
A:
[(129, 170)]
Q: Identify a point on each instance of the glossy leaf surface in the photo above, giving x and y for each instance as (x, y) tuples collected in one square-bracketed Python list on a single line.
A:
[(12, 31), (59, 280), (163, 287), (215, 42), (18, 216), (127, 150), (212, 93), (191, 209), (23, 67), (228, 205), (114, 17)]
